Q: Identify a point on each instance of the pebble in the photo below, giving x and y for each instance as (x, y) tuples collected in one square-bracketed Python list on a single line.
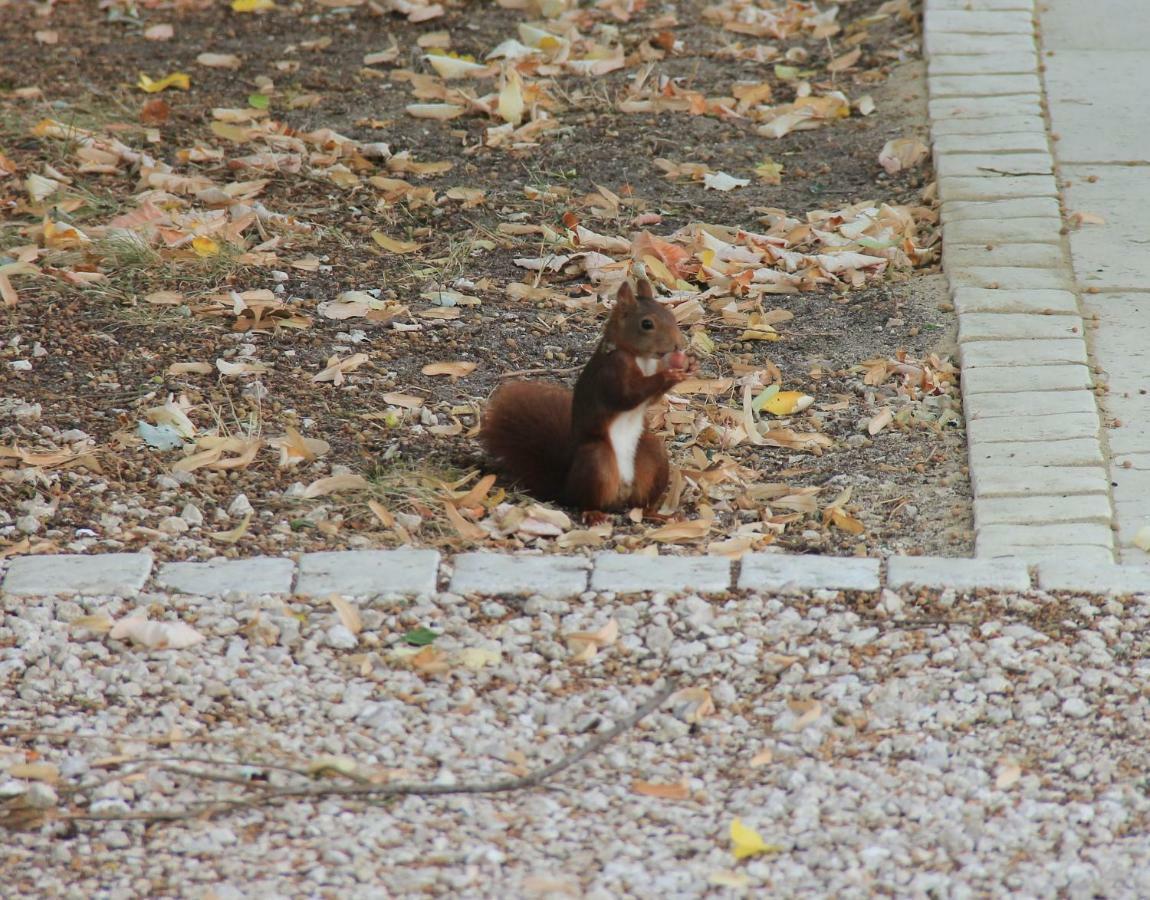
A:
[(869, 754), (239, 507)]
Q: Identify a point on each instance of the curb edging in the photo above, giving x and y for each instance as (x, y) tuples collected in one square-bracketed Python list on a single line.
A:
[(406, 572), (1026, 384)]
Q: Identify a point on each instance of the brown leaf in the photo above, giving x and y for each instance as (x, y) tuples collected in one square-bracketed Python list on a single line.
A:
[(469, 531), (681, 531), (349, 481), (673, 791), (455, 369)]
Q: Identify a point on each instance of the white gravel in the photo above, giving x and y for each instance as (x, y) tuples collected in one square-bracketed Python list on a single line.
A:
[(1009, 755)]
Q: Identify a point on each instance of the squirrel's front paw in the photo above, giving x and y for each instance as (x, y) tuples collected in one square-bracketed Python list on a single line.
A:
[(681, 366)]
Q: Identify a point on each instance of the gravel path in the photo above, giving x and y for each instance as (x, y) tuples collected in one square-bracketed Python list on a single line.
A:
[(886, 744)]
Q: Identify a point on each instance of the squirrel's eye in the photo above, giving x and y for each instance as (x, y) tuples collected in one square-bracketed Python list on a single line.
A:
[(647, 324)]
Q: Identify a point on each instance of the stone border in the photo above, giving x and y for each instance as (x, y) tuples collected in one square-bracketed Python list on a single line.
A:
[(1041, 491), (369, 573), (1037, 467)]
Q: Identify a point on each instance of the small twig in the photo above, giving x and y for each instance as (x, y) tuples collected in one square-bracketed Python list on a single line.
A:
[(375, 792), (543, 371)]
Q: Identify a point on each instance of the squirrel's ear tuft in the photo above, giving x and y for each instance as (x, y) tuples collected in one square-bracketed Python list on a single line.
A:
[(646, 290), (626, 295)]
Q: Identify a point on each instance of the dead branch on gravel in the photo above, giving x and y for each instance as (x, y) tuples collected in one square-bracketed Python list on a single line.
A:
[(17, 815)]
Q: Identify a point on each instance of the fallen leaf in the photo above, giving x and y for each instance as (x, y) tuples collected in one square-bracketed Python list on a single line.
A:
[(1007, 774), (673, 791), (205, 247), (348, 614), (1078, 219), (880, 420), (219, 60), (721, 181), (177, 80), (392, 245), (786, 403), (321, 487), (155, 635), (454, 369), (902, 153), (338, 368), (681, 531), (745, 841)]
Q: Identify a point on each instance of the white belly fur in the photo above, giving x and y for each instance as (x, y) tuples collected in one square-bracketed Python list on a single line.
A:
[(627, 428), (625, 432)]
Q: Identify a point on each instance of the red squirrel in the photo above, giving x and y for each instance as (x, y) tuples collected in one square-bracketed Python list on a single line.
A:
[(590, 448)]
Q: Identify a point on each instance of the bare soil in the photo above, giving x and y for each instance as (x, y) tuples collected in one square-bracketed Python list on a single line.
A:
[(100, 353)]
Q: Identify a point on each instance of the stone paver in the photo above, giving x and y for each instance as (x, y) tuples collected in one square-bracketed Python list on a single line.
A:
[(975, 21), (990, 537), (1010, 278), (998, 210), (1028, 403), (1023, 479), (1038, 509), (1010, 379), (368, 572), (779, 572), (983, 85), (497, 573), (1027, 256), (980, 232), (632, 573), (113, 574), (979, 44), (1022, 353), (1034, 428), (1017, 326), (1077, 452), (1010, 124), (1027, 5), (1095, 556), (1074, 574), (996, 187), (1022, 62), (261, 575), (993, 165), (1000, 142), (959, 574), (970, 300)]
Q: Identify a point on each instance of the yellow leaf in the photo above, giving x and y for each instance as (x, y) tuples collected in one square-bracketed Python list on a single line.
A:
[(393, 245), (244, 6), (175, 80), (847, 523), (511, 103), (748, 842), (205, 246), (770, 171), (786, 403)]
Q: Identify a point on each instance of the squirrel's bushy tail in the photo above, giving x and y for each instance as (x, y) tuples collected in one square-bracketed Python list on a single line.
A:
[(527, 430)]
